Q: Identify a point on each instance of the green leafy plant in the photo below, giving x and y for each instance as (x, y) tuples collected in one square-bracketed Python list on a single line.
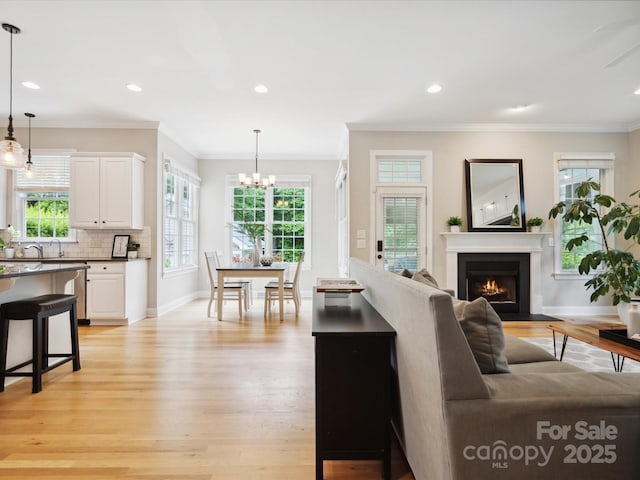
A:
[(451, 221), (614, 271), (534, 222)]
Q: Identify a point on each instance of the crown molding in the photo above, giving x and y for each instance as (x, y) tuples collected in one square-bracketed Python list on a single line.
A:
[(492, 127), (144, 125), (267, 157)]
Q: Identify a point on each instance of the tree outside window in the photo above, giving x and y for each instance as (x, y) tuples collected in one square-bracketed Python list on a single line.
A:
[(47, 215), (276, 216)]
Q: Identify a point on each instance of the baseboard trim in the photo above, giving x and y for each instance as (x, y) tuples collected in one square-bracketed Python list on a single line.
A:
[(170, 306)]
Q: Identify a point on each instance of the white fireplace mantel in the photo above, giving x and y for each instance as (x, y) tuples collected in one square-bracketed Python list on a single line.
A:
[(498, 242)]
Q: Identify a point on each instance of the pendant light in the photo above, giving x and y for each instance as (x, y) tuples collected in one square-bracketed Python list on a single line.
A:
[(10, 150), (255, 180), (29, 165)]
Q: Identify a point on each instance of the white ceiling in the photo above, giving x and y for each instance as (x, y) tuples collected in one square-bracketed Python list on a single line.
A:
[(328, 65)]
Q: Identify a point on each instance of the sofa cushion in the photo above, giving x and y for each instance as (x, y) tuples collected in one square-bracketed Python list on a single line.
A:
[(423, 276), (520, 351), (483, 328), (552, 366)]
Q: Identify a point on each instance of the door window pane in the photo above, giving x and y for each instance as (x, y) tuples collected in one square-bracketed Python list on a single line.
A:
[(400, 226)]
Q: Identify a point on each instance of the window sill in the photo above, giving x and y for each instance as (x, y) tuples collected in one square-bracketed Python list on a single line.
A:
[(177, 272), (570, 275)]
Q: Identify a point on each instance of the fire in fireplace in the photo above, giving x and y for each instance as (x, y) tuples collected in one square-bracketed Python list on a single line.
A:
[(501, 278), (494, 286)]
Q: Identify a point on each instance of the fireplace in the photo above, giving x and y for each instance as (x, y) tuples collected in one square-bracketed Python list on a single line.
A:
[(502, 278)]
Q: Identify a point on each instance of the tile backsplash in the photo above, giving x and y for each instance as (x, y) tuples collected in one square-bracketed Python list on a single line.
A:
[(95, 244)]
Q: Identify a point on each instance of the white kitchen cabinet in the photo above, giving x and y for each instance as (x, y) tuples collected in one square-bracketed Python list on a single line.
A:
[(107, 191), (117, 292)]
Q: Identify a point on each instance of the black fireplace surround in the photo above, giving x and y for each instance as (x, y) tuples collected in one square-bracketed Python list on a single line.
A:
[(502, 278)]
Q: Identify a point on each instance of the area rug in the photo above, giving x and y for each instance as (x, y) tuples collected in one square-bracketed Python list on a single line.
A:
[(583, 355)]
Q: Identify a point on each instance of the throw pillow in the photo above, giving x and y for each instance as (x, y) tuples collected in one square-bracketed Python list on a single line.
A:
[(483, 328), (406, 273), (424, 276)]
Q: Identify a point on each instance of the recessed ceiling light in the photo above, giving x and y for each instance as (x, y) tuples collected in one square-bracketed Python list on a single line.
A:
[(261, 88), (134, 88), (521, 108), (31, 85), (435, 88), (637, 92)]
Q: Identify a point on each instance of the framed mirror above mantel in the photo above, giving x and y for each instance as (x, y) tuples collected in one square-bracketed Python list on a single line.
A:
[(495, 195)]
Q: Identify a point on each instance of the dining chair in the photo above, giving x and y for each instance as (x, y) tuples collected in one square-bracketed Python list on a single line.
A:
[(231, 290), (291, 290), (247, 284)]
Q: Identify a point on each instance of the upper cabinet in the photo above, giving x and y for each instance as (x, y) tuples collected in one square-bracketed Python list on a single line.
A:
[(107, 190)]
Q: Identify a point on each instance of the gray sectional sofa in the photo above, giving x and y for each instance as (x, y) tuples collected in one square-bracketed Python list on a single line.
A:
[(543, 419)]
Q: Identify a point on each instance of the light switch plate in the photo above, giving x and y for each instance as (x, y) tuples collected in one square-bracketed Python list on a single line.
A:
[(361, 244), (361, 234)]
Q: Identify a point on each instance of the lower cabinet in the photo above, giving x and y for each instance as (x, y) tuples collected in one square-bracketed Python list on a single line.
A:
[(117, 292)]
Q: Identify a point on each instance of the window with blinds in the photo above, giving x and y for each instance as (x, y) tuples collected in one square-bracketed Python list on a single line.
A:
[(42, 200)]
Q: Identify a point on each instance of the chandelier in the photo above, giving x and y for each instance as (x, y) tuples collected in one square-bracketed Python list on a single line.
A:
[(10, 150), (255, 180)]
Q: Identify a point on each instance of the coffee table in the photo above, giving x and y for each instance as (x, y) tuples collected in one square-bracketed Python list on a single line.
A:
[(589, 332)]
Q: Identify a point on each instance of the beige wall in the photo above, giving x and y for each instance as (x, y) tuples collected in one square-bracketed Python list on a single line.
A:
[(213, 228), (448, 193)]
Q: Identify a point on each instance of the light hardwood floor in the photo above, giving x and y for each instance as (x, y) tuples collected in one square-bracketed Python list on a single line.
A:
[(182, 396)]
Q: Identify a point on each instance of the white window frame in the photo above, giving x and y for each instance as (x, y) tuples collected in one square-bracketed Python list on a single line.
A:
[(426, 184), (182, 176), (342, 218), (283, 181), (603, 161), (19, 197)]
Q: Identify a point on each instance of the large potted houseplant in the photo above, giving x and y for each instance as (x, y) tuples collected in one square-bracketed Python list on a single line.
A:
[(613, 271)]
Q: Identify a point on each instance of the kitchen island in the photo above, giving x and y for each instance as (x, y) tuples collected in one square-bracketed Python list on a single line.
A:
[(19, 280)]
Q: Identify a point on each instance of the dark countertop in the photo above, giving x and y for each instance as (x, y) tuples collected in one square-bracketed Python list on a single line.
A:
[(35, 267)]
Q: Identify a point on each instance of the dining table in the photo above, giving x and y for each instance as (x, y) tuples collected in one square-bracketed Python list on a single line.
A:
[(245, 270)]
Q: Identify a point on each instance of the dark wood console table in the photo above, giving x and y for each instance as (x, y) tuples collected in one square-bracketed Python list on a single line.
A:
[(353, 383)]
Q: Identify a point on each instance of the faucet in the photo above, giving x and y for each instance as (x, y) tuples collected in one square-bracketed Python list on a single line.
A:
[(60, 252), (38, 247)]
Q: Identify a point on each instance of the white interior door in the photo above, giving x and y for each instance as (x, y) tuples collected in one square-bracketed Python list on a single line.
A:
[(400, 240)]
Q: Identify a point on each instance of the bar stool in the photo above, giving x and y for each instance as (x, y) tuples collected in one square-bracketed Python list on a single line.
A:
[(38, 310)]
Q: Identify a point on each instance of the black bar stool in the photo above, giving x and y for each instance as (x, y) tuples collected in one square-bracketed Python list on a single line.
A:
[(38, 310)]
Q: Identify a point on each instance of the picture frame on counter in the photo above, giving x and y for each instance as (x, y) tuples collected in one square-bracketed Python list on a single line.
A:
[(120, 243)]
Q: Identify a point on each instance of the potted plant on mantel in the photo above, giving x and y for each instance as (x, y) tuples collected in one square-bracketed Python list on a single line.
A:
[(614, 271), (454, 224), (534, 224)]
